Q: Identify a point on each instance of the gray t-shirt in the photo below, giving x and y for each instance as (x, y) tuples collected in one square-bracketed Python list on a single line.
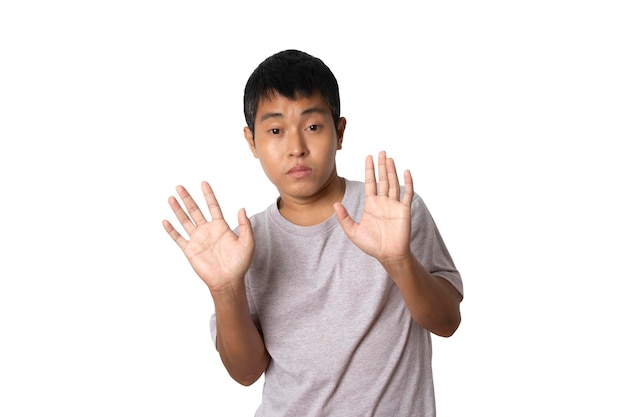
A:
[(341, 339)]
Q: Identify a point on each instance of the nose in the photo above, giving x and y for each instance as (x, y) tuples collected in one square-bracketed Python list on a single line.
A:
[(296, 145)]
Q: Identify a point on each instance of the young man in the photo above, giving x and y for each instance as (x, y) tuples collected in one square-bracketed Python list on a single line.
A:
[(334, 289)]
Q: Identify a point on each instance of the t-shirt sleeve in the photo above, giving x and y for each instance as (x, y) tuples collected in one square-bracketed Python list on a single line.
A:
[(429, 247), (213, 330)]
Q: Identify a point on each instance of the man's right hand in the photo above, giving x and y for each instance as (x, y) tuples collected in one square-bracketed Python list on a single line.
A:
[(216, 253)]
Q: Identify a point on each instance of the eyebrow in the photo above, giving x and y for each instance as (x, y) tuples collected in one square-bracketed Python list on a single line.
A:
[(310, 110)]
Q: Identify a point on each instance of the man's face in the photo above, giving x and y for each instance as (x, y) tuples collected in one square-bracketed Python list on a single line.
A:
[(296, 142)]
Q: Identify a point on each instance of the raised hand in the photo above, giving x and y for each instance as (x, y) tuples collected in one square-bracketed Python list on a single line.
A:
[(216, 253), (385, 227)]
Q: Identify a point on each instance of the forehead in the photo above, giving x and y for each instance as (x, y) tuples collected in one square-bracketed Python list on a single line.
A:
[(274, 102)]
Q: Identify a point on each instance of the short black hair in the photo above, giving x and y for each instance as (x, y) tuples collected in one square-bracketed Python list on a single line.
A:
[(289, 73)]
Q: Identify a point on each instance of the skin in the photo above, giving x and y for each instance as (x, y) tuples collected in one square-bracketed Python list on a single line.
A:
[(296, 142)]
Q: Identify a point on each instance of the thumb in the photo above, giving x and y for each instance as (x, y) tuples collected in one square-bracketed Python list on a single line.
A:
[(245, 227), (345, 221)]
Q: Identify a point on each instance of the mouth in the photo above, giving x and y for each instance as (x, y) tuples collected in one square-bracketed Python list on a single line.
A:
[(299, 171)]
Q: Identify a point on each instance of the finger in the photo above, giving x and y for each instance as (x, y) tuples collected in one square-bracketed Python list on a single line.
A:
[(181, 215), (211, 201), (370, 176), (192, 208), (345, 221), (176, 237), (383, 181), (392, 176), (407, 198)]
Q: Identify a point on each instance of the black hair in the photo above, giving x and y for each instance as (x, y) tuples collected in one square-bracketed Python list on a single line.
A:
[(289, 73)]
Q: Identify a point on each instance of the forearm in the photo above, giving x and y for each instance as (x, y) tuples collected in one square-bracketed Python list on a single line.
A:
[(432, 301), (239, 343)]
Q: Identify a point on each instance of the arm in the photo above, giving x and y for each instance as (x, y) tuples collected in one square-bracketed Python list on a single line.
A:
[(384, 233), (239, 343), (221, 259), (433, 302)]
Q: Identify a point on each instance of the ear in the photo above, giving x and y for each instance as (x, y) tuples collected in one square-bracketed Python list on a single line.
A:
[(341, 127), (247, 133)]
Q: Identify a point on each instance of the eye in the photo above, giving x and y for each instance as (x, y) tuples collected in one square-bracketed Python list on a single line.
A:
[(275, 131), (313, 128)]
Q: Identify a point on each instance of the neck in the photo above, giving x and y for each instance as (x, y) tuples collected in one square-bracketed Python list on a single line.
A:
[(316, 210)]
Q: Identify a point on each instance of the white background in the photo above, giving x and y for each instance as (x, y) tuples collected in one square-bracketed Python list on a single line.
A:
[(510, 115)]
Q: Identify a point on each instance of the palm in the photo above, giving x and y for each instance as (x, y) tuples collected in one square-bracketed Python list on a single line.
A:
[(384, 229), (215, 252)]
